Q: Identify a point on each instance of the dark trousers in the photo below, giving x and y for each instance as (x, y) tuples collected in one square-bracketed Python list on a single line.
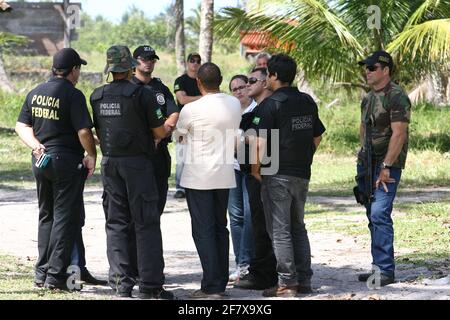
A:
[(59, 188), (131, 197), (263, 264), (208, 209), (78, 256), (162, 165)]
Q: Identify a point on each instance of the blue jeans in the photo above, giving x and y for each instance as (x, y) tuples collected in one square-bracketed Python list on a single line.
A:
[(240, 221), (284, 199), (380, 221)]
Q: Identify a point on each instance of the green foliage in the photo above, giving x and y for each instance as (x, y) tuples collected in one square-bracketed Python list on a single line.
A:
[(429, 128), (10, 105), (135, 29), (9, 40), (93, 35), (328, 37)]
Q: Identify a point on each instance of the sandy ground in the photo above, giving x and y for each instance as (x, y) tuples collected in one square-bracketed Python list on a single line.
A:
[(337, 259)]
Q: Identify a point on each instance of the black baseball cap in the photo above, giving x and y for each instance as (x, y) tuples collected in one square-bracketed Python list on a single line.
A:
[(194, 55), (145, 52), (67, 58), (378, 57)]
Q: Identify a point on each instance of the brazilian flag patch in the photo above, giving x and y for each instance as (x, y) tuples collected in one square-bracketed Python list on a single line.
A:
[(159, 113), (256, 120)]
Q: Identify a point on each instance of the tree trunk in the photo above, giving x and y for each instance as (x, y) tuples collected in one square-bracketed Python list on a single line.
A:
[(67, 30), (180, 46), (5, 84), (303, 86), (433, 89), (206, 30)]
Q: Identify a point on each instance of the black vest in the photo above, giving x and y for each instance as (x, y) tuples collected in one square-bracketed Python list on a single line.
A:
[(121, 122), (246, 123), (295, 117)]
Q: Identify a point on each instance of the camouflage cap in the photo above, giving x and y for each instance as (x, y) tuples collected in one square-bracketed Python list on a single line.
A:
[(119, 59)]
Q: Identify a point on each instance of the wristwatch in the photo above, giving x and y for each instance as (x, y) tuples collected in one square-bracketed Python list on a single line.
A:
[(384, 165)]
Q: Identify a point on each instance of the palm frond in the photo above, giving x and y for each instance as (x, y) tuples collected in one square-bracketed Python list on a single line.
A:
[(429, 9), (309, 30), (428, 42)]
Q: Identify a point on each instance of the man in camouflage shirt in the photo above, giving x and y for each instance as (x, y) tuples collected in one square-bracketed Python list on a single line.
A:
[(387, 109)]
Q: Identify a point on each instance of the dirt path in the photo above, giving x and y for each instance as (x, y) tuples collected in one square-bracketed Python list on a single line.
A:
[(337, 259)]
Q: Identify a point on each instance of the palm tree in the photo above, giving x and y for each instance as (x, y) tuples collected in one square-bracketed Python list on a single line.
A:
[(328, 37), (206, 30), (4, 82), (180, 46)]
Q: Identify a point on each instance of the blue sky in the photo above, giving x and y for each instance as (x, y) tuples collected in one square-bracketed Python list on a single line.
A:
[(114, 9)]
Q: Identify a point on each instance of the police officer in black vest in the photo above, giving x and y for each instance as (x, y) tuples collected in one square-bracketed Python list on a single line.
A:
[(294, 116), (147, 58), (55, 123), (127, 119)]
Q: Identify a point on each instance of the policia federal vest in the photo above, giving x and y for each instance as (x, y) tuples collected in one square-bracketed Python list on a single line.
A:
[(295, 117), (121, 122)]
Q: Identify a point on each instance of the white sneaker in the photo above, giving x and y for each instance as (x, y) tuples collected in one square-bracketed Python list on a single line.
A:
[(234, 276), (243, 270)]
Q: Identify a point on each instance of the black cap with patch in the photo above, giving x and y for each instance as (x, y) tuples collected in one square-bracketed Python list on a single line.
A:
[(145, 52), (67, 58), (378, 57)]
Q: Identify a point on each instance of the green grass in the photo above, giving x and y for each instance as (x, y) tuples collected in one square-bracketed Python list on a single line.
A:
[(334, 174), (422, 230), (10, 105), (429, 128), (424, 227), (16, 283)]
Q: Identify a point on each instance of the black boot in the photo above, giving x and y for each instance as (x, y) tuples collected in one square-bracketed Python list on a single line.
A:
[(88, 278)]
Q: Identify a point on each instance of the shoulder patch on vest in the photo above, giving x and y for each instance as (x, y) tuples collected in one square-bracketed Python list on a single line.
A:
[(98, 93)]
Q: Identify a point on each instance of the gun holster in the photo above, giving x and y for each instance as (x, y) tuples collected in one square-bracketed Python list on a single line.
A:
[(360, 197)]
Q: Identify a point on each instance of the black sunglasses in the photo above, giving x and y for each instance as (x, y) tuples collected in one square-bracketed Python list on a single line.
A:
[(198, 61), (254, 80), (372, 68), (147, 59)]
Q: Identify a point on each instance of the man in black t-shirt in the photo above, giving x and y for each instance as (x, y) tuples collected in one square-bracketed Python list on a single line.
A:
[(147, 58), (186, 90), (127, 120), (55, 123), (292, 115)]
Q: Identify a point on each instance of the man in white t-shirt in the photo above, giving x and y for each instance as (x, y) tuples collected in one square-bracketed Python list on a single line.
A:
[(209, 127)]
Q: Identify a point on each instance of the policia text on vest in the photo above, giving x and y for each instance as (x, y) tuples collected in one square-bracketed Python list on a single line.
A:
[(45, 107)]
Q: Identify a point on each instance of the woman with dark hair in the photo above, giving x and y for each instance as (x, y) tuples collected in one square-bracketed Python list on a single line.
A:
[(238, 204)]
